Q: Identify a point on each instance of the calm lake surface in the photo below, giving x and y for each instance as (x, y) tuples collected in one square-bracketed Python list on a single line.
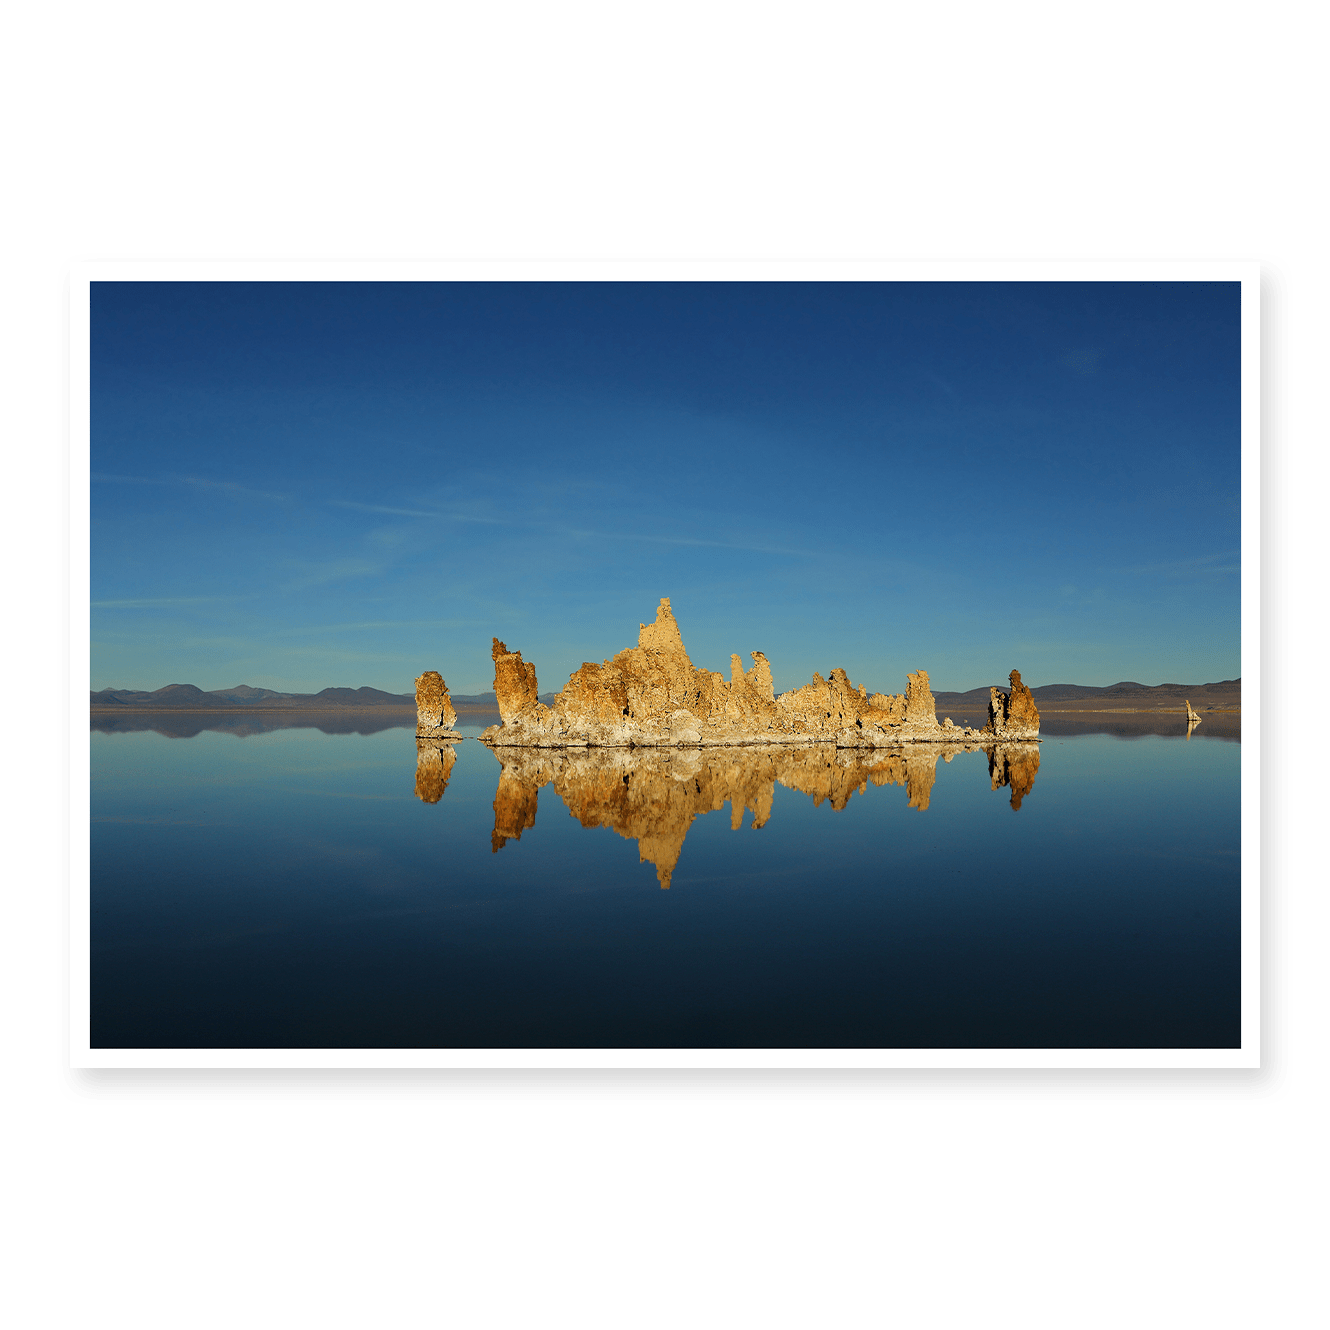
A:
[(287, 888)]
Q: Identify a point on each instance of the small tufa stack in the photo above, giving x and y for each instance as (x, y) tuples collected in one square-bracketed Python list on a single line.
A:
[(435, 716), (1012, 716)]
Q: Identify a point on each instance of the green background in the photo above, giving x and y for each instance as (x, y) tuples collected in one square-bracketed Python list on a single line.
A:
[(621, 127)]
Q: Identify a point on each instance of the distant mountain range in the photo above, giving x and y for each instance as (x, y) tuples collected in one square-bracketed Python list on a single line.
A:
[(1225, 695), (187, 697)]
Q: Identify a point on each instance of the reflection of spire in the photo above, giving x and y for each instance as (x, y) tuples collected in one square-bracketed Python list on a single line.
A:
[(920, 773), (1014, 765), (651, 798), (835, 774), (514, 808), (434, 764)]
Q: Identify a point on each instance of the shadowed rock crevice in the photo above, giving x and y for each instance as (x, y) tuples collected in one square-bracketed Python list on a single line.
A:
[(652, 696)]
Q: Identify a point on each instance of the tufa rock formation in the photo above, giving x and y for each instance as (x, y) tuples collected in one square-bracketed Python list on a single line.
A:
[(434, 764), (652, 696), (1012, 717), (434, 710), (1192, 717)]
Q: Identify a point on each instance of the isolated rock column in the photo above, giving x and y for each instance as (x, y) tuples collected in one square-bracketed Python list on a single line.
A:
[(515, 687), (920, 708), (434, 709), (1022, 714), (1013, 715)]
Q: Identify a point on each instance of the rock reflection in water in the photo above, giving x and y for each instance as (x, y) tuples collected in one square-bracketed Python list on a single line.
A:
[(1015, 765), (652, 795), (514, 805), (434, 764)]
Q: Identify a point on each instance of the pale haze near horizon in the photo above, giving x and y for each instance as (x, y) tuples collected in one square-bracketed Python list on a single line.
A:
[(305, 485)]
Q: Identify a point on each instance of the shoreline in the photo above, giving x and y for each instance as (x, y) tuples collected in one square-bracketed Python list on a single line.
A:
[(244, 711), (1129, 711), (131, 710)]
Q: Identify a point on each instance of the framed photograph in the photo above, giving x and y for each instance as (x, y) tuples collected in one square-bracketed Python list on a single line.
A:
[(665, 665)]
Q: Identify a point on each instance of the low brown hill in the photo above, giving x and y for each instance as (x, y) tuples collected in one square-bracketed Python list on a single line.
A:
[(244, 693), (173, 695), (362, 697), (186, 696), (1053, 697)]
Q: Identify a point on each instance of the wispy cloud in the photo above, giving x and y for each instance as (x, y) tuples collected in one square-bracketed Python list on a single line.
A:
[(386, 511), (158, 602), (1203, 565), (380, 508), (334, 570), (671, 540), (579, 533), (263, 652), (230, 488), (227, 487), (160, 821), (384, 623)]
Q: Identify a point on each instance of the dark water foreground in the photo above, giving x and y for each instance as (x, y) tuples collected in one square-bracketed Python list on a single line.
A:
[(298, 888)]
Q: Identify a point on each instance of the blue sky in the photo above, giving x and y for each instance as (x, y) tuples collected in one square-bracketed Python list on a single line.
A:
[(298, 485)]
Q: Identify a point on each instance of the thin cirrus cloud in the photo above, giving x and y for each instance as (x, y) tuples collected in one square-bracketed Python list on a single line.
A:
[(382, 623), (260, 655), (580, 533), (670, 540), (1203, 565), (335, 570), (227, 487), (159, 602), (382, 509)]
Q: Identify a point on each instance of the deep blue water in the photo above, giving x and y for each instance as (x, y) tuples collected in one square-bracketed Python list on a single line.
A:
[(288, 889)]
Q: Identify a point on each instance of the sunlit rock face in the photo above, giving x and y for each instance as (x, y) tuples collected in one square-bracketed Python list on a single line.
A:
[(434, 764), (652, 695), (515, 687), (1015, 765), (653, 795), (434, 708), (1012, 717)]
